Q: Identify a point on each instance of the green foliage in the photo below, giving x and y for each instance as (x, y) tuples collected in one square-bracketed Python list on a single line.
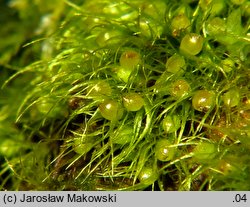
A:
[(116, 95)]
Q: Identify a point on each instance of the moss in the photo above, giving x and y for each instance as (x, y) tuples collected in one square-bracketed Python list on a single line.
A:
[(67, 61)]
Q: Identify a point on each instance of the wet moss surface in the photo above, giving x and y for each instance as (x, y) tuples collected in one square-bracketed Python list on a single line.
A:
[(125, 95)]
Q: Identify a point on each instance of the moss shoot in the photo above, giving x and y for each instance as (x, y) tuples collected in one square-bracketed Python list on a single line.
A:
[(125, 95)]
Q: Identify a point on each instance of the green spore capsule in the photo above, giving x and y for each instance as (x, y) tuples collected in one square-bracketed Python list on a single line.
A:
[(180, 88), (122, 136), (108, 37), (123, 73), (49, 107), (99, 90), (216, 26), (150, 28), (133, 101), (179, 23), (203, 100), (9, 147), (204, 151), (148, 175), (130, 59), (154, 9), (238, 2), (75, 102), (83, 144), (213, 6), (111, 110), (171, 123), (175, 64), (231, 98), (163, 151), (228, 65), (191, 44), (45, 105)]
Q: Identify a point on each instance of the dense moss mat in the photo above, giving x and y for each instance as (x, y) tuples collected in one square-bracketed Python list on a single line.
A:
[(125, 95)]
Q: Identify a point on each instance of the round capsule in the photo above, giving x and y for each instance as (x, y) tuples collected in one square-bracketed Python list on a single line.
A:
[(48, 107), (123, 135), (111, 110), (75, 102), (231, 98), (133, 101), (147, 175), (191, 44), (228, 65), (216, 26), (180, 88), (163, 151), (82, 145), (109, 37), (130, 59), (203, 100), (213, 6), (179, 23), (204, 151), (175, 64), (10, 147), (45, 105), (171, 123), (99, 90), (123, 73)]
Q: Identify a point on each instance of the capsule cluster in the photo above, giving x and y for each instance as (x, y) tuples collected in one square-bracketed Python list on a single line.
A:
[(146, 95)]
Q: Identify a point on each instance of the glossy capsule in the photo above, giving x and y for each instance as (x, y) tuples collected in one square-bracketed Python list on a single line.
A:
[(122, 136), (231, 98), (130, 59), (147, 175), (133, 101), (179, 23), (175, 64), (111, 110), (216, 26), (191, 44), (171, 123), (204, 151), (203, 100), (123, 73), (163, 151), (180, 88), (82, 145), (227, 65), (99, 90)]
